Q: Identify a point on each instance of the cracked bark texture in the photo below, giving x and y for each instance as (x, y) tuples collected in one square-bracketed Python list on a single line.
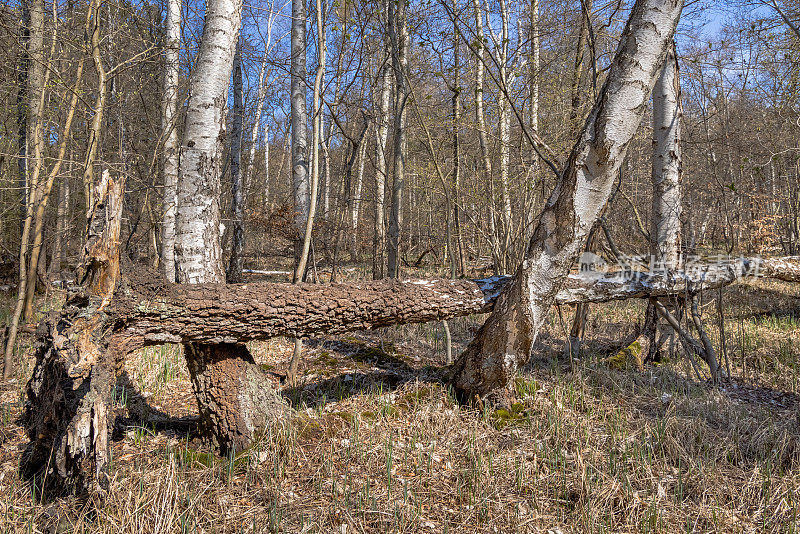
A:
[(81, 351), (151, 314), (504, 342), (235, 398)]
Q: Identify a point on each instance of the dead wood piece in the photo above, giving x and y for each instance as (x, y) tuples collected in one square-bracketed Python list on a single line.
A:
[(69, 394)]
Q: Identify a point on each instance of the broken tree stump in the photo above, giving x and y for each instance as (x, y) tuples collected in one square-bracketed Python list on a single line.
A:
[(69, 394)]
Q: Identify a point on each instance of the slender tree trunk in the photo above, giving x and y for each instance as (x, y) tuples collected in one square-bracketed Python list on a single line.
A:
[(459, 238), (504, 127), (263, 77), (316, 133), (534, 63), (96, 127), (665, 231), (381, 176), (23, 110), (169, 112), (31, 140), (59, 254), (399, 37), (483, 135), (39, 195), (238, 187), (37, 77), (504, 342), (266, 202), (356, 207), (300, 186), (578, 98)]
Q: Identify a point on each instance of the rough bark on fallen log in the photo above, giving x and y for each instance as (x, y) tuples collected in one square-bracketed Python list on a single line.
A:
[(155, 312)]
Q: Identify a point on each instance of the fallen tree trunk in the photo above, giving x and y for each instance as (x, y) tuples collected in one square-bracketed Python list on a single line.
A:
[(82, 350), (151, 314)]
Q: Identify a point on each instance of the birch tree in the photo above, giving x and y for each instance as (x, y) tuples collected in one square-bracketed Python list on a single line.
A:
[(169, 111), (381, 141), (504, 341), (316, 134), (300, 187), (666, 176)]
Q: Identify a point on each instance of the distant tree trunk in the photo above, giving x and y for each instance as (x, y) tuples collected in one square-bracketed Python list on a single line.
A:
[(578, 98), (504, 127), (35, 88), (534, 65), (59, 254), (356, 208), (238, 187), (504, 341), (266, 202), (300, 187), (381, 175), (234, 406), (96, 126), (398, 33), (39, 193), (31, 140), (169, 113), (260, 100), (459, 238), (483, 136), (23, 112)]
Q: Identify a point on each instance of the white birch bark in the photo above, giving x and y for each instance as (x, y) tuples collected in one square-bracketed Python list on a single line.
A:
[(381, 140), (665, 231), (504, 127), (169, 112), (504, 342), (266, 167), (359, 185), (198, 250)]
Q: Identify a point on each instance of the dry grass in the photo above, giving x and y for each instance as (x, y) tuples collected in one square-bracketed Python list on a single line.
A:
[(377, 445)]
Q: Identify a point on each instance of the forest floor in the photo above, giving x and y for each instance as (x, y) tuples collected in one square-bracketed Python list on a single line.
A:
[(378, 445)]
